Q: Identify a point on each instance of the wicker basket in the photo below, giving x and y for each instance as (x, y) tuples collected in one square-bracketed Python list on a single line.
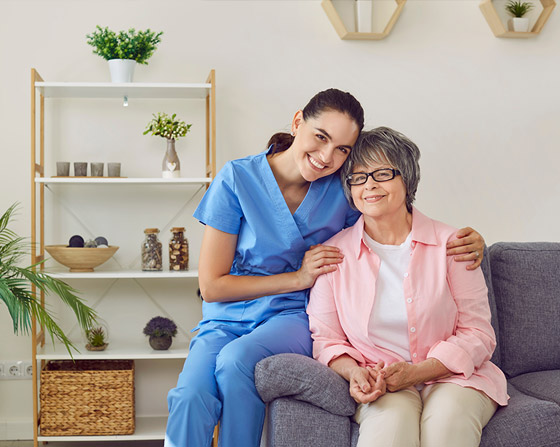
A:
[(87, 397)]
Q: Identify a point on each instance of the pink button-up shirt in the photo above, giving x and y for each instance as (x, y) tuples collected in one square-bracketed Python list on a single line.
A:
[(447, 308)]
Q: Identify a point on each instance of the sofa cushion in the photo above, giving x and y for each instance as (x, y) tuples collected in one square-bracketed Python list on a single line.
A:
[(543, 385), (527, 292), (304, 379), (293, 423), (525, 421)]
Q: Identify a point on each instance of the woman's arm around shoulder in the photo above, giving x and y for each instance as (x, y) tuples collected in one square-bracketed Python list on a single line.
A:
[(469, 246)]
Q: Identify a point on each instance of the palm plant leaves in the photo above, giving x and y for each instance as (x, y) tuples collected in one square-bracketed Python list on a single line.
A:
[(16, 288)]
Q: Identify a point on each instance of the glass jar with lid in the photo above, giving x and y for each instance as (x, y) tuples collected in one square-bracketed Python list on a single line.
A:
[(178, 250), (151, 251)]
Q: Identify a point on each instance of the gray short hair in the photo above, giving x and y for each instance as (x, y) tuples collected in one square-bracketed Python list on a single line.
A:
[(385, 145)]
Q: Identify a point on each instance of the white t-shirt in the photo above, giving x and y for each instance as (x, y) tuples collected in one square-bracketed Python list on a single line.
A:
[(388, 324)]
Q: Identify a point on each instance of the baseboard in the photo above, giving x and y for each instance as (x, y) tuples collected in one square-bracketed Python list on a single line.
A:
[(16, 429)]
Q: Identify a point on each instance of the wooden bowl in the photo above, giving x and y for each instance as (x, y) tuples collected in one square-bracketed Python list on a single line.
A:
[(80, 259)]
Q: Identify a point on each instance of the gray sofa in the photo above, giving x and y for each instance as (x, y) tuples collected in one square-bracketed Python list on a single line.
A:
[(309, 404)]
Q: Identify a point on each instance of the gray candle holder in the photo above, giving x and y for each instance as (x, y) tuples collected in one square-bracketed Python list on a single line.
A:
[(63, 168), (113, 169), (80, 169), (97, 169)]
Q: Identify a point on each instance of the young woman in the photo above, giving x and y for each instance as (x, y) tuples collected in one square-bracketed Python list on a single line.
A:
[(266, 216)]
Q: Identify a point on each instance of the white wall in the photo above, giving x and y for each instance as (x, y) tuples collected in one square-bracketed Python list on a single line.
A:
[(484, 111)]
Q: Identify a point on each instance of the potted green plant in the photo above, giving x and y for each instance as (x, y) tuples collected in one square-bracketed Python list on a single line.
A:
[(161, 331), (96, 337), (123, 50), (518, 9), (16, 292), (170, 128)]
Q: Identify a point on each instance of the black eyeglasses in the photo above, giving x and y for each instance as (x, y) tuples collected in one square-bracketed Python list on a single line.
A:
[(379, 175)]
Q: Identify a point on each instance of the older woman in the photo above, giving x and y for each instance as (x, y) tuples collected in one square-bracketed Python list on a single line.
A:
[(404, 324)]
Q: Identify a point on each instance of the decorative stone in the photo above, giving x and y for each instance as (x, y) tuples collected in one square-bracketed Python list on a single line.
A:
[(76, 241), (101, 241), (90, 244), (102, 246)]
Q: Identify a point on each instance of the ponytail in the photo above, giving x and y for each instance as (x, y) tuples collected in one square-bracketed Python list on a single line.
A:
[(280, 142)]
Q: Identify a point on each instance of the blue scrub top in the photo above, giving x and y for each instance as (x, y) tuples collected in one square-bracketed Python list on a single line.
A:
[(245, 199)]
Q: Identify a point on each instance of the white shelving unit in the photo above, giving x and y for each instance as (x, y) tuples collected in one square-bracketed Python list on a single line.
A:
[(119, 350), (122, 274), (121, 181), (147, 428)]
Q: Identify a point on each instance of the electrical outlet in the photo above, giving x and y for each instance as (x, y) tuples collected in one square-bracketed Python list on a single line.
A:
[(13, 369), (27, 370), (16, 370)]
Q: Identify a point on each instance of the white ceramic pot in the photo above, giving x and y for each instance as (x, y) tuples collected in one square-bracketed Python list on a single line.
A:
[(364, 15), (520, 24), (122, 70)]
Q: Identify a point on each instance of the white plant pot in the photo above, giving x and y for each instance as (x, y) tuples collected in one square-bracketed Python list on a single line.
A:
[(122, 70), (519, 24), (364, 15)]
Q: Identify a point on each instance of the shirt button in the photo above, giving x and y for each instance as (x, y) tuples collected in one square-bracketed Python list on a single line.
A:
[(409, 300), (414, 355), (406, 275), (412, 329)]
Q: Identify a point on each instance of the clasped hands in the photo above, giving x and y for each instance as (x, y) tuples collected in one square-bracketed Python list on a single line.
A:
[(370, 383)]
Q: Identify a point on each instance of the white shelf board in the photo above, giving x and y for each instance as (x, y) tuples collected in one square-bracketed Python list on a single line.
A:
[(147, 428), (133, 90), (125, 274), (124, 180), (117, 350)]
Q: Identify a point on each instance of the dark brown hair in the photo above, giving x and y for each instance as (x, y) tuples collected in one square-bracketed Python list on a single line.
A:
[(331, 99)]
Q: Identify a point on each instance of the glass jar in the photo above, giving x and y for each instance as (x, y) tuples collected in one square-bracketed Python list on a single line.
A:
[(178, 250), (151, 251)]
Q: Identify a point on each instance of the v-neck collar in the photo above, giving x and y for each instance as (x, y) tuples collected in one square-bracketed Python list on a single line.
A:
[(274, 189), (304, 208)]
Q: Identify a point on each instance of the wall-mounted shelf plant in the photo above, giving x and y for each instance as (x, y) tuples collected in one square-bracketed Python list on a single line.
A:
[(340, 20), (498, 27)]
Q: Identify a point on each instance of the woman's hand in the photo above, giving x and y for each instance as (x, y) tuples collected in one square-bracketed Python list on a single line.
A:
[(367, 384), (399, 376), (469, 245), (317, 260)]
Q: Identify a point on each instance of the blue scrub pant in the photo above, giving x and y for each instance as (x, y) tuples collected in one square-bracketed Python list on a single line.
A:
[(217, 382)]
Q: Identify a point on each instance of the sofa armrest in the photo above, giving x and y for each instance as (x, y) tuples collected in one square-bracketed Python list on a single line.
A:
[(304, 379)]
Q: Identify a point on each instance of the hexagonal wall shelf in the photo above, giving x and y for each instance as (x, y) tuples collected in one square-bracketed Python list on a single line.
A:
[(345, 34), (498, 28)]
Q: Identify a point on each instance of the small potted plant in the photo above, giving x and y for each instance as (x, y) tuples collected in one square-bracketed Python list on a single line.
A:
[(96, 338), (170, 128), (123, 50), (161, 331), (518, 9)]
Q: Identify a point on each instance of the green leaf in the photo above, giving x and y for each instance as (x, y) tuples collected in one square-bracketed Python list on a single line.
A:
[(16, 292)]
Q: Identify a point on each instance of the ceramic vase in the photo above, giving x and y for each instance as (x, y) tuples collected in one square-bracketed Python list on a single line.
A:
[(160, 343), (171, 166), (122, 70)]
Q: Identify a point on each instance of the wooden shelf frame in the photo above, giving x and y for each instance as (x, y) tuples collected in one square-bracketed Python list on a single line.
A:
[(41, 90), (343, 32), (498, 27)]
